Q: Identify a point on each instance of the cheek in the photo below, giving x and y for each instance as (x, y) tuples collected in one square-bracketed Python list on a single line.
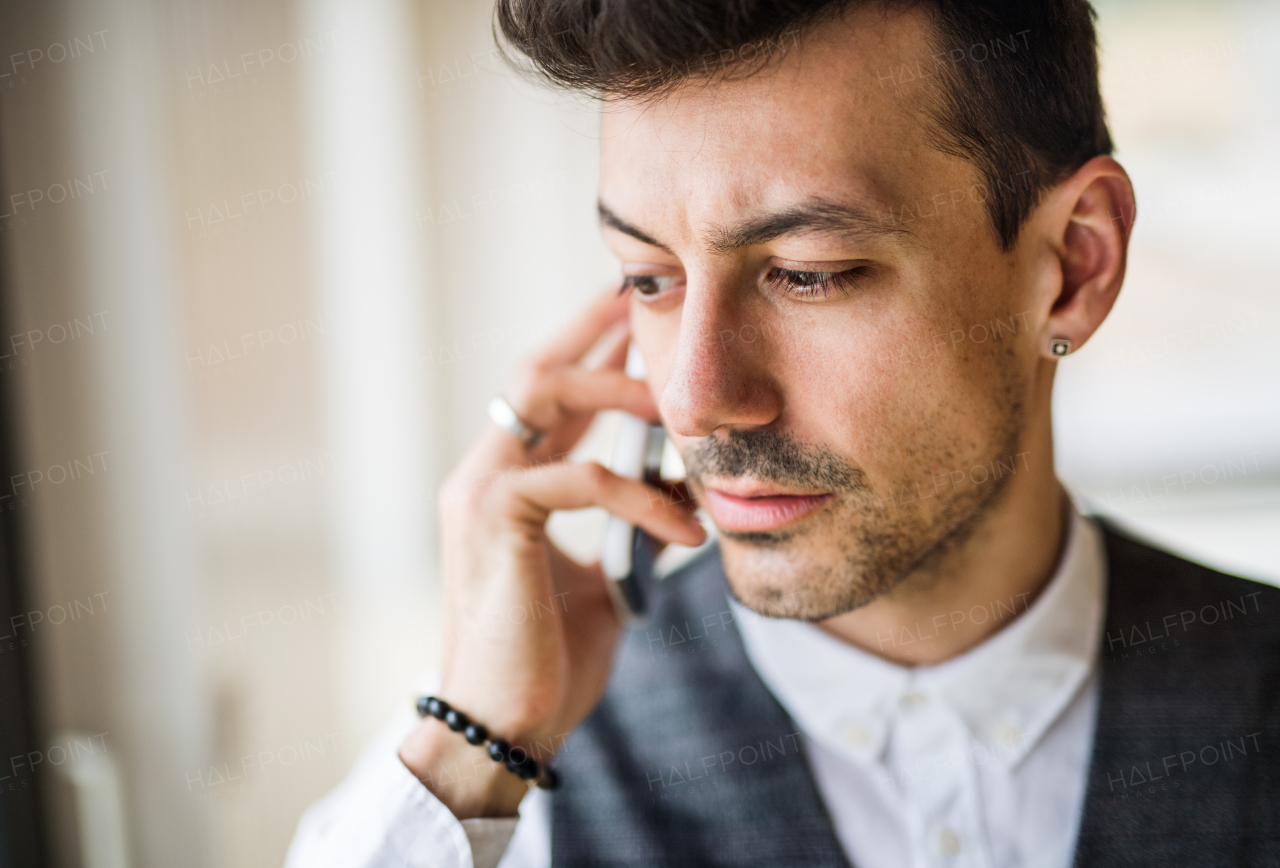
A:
[(849, 395), (895, 396)]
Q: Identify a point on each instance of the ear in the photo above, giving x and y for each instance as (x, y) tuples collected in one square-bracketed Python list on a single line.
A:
[(1088, 219)]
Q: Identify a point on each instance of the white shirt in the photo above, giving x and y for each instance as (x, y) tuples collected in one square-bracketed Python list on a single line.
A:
[(978, 762)]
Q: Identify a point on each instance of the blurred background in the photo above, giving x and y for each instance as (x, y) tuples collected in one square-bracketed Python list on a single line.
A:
[(263, 263)]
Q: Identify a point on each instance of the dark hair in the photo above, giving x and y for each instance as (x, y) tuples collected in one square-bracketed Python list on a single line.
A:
[(1018, 89)]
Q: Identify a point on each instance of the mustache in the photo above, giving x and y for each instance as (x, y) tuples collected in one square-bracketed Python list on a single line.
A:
[(773, 456)]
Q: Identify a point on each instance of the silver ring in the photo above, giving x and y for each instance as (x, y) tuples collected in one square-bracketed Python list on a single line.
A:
[(508, 420)]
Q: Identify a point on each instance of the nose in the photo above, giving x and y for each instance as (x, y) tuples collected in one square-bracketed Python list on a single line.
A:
[(719, 375)]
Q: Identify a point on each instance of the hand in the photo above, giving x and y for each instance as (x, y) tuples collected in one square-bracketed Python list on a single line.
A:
[(531, 678)]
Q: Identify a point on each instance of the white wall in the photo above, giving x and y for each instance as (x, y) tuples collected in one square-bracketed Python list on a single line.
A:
[(1170, 418)]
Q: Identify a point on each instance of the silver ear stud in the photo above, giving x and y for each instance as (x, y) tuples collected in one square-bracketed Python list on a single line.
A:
[(1060, 346)]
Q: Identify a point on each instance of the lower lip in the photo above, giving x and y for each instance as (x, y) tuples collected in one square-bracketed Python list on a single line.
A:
[(745, 514)]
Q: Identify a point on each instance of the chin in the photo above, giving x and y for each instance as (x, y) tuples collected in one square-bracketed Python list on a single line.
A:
[(807, 586)]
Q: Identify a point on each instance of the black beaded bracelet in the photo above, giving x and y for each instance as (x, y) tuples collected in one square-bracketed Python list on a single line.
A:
[(516, 759)]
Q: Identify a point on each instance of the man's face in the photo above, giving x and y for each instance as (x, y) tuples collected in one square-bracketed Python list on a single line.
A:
[(837, 345)]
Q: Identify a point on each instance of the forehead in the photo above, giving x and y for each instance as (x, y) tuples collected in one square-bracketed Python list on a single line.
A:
[(825, 118)]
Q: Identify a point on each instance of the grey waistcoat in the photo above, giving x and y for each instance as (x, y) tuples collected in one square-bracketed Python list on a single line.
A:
[(690, 761)]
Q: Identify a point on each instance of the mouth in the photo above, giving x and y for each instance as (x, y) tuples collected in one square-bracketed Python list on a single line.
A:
[(745, 506)]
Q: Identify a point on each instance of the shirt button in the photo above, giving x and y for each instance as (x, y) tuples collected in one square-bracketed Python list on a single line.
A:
[(948, 842), (1008, 735), (913, 698), (856, 736)]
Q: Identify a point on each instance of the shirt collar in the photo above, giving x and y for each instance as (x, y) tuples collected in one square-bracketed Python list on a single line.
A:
[(1007, 691)]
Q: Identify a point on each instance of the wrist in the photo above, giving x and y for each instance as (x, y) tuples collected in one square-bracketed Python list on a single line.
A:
[(459, 774)]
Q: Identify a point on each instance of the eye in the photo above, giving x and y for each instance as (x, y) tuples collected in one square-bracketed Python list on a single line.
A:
[(648, 284), (814, 284)]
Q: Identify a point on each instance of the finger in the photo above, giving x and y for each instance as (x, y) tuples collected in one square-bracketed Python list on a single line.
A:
[(614, 354), (678, 491), (578, 486), (555, 395), (581, 335), (577, 391)]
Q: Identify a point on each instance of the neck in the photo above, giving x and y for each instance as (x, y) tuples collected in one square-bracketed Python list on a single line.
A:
[(973, 589)]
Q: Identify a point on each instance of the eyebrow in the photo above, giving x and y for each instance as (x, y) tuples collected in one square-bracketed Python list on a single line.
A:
[(817, 215), (613, 221)]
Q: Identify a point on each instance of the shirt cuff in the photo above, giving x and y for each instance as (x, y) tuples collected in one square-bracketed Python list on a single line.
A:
[(382, 816)]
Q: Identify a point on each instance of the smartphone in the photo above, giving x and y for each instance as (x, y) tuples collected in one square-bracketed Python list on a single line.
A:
[(628, 553)]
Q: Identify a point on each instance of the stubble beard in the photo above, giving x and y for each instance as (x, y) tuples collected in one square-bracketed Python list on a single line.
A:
[(860, 546)]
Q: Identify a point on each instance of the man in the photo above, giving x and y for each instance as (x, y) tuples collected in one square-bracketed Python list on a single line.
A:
[(856, 240)]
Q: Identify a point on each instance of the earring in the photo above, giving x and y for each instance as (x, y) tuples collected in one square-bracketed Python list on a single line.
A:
[(1060, 346)]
